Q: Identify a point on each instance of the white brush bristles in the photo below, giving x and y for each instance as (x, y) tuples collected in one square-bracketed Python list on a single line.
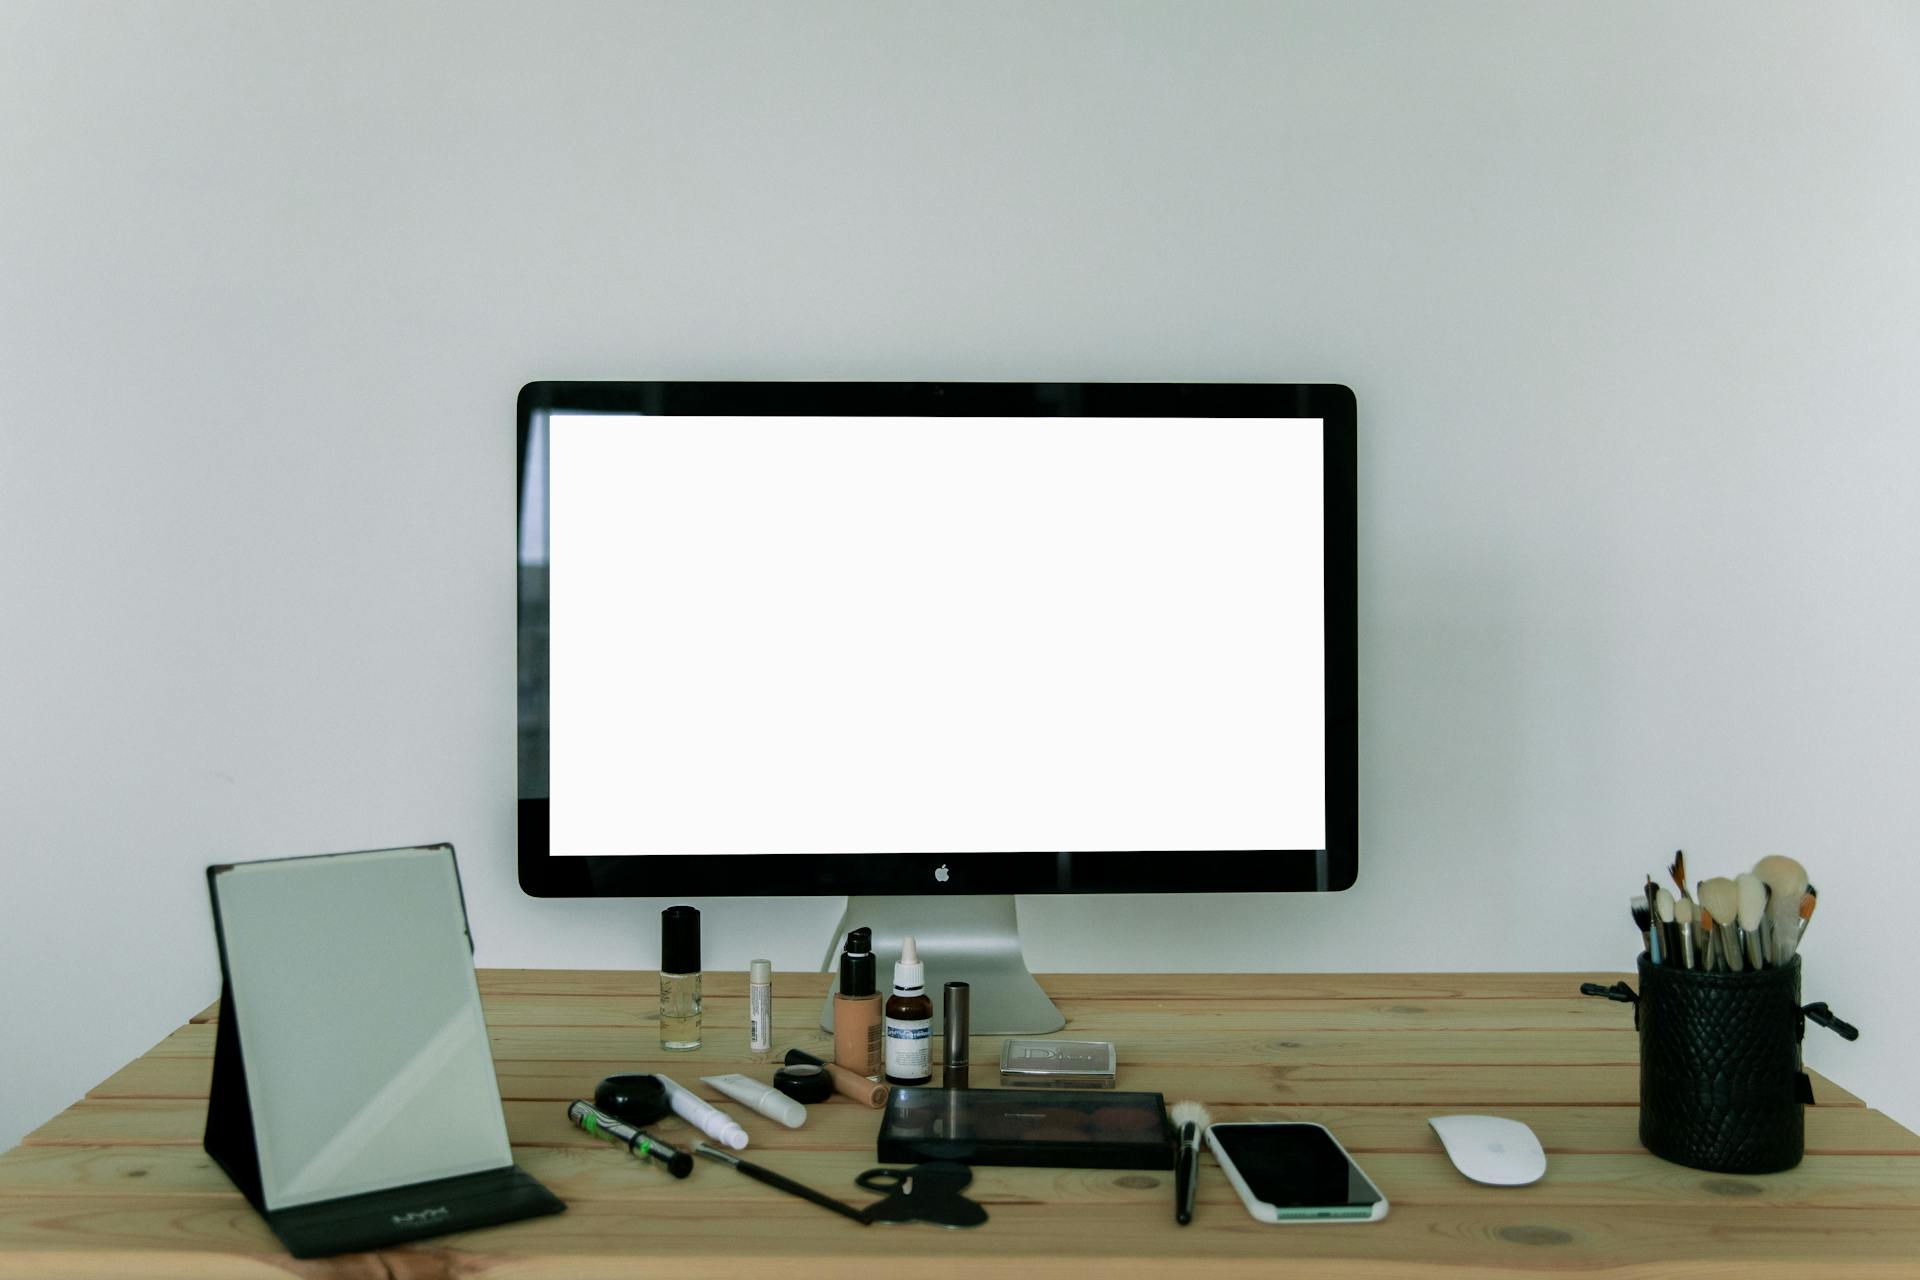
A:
[(1753, 899), (1722, 897), (1786, 880), (1191, 1113), (1786, 885)]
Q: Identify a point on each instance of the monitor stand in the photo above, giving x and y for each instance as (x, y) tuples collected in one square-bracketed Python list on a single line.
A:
[(968, 938)]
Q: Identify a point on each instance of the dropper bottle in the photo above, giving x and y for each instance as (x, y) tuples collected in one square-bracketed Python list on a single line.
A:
[(909, 1020)]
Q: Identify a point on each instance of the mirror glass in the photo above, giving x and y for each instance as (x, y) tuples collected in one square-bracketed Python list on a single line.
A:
[(367, 1061)]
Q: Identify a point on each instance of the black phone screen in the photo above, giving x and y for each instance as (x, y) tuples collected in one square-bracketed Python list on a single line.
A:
[(1295, 1166)]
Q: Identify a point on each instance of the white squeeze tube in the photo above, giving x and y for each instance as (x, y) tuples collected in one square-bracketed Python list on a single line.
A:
[(703, 1115), (764, 1098)]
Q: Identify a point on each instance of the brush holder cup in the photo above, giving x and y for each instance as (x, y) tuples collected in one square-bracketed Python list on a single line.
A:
[(1721, 1087)]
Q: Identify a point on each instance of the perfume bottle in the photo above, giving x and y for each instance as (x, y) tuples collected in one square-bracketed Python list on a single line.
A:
[(680, 978)]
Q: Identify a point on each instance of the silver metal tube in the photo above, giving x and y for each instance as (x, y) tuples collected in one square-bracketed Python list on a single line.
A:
[(957, 1021)]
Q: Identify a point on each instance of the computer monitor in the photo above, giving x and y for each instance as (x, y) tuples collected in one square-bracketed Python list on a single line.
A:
[(931, 645)]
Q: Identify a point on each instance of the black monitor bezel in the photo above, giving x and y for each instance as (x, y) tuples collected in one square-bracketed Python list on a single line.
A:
[(1151, 871)]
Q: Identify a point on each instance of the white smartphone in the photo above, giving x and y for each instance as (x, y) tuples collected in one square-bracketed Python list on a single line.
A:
[(1294, 1171)]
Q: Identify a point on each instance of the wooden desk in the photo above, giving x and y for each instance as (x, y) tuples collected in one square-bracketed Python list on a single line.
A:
[(118, 1185)]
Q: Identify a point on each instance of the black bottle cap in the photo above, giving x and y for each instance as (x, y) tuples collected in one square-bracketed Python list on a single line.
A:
[(680, 940), (857, 969)]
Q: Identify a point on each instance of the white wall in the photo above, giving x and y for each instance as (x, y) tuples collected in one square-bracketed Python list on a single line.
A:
[(1630, 295)]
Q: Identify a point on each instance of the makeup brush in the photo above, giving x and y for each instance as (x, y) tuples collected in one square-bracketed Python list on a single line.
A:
[(1787, 881), (1721, 897), (1753, 910), (1643, 920), (1706, 942), (1683, 919), (1808, 901), (1190, 1121), (1678, 870), (1669, 934)]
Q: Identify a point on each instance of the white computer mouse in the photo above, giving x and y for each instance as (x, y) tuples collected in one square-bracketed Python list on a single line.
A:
[(1492, 1149)]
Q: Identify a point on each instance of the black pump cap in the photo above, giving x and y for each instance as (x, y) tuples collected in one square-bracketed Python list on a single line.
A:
[(857, 970), (680, 940)]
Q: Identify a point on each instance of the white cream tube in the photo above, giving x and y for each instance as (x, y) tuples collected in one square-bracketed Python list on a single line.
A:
[(764, 1098), (703, 1115)]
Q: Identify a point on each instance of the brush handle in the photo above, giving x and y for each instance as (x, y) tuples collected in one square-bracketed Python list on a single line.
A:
[(1784, 945), (782, 1183), (1818, 1012), (792, 1188), (1756, 951), (1186, 1165), (1785, 933), (1730, 946)]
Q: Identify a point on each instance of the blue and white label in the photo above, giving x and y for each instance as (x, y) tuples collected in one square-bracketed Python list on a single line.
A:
[(909, 1049)]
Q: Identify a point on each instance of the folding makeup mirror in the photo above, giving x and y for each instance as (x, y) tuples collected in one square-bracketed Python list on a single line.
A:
[(353, 1099)]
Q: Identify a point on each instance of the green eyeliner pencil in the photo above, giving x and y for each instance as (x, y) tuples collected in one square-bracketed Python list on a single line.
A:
[(644, 1146)]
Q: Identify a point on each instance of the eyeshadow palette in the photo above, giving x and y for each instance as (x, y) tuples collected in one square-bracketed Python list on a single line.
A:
[(1053, 1128), (1067, 1064)]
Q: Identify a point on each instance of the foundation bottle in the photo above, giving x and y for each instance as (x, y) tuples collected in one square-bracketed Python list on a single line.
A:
[(856, 1007)]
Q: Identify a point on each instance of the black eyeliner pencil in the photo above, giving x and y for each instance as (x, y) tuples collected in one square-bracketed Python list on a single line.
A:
[(779, 1182)]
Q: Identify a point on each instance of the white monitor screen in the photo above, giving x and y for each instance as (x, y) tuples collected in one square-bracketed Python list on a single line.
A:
[(871, 634)]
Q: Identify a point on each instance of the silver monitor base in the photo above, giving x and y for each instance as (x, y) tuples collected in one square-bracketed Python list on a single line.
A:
[(971, 939)]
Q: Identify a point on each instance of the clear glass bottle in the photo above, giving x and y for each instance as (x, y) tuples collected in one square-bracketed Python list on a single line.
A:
[(680, 978)]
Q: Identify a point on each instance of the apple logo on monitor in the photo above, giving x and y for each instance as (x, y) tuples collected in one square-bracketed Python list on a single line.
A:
[(940, 873)]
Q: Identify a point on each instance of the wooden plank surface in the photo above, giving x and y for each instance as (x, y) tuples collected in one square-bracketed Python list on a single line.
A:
[(118, 1184)]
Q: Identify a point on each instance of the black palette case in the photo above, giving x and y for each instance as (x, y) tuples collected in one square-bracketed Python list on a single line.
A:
[(1051, 1128)]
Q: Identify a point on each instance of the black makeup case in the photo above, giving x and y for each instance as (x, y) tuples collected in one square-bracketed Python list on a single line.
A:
[(1721, 1085), (1053, 1128)]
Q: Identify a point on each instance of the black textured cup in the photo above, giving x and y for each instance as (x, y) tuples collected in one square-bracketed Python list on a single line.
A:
[(1720, 1081)]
